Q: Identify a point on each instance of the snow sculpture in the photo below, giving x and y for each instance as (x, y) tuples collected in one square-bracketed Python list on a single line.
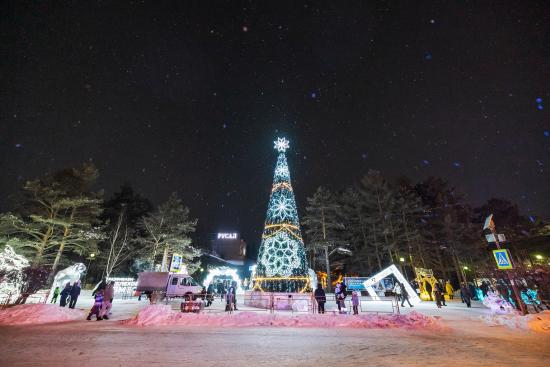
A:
[(11, 262), (312, 278), (67, 275), (497, 304), (391, 270)]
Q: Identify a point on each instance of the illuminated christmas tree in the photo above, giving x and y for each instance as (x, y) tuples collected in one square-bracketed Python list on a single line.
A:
[(282, 265)]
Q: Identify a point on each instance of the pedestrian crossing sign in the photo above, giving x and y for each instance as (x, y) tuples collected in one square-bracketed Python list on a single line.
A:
[(502, 257)]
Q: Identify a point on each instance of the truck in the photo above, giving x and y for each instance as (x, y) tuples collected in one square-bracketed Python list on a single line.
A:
[(159, 285)]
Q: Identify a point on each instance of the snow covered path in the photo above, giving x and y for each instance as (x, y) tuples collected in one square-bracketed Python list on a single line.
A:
[(110, 344), (466, 342)]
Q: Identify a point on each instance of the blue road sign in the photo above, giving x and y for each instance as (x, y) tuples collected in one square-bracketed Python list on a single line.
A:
[(502, 258)]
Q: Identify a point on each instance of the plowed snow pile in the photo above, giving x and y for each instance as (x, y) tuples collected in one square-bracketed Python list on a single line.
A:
[(163, 315), (539, 322), (38, 313)]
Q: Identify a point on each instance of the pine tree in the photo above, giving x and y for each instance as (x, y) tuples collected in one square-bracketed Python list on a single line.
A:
[(324, 228), (78, 212), (120, 217), (359, 224), (57, 213), (282, 265), (167, 229), (381, 209), (449, 231)]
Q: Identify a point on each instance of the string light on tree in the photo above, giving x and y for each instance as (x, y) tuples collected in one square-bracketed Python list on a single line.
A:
[(282, 265)]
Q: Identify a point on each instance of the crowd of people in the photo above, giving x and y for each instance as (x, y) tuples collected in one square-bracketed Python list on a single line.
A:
[(103, 298), (340, 295), (437, 294), (69, 294), (223, 289)]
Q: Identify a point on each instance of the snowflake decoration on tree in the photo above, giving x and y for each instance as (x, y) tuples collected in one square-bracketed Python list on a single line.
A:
[(281, 208), (282, 172), (281, 144), (280, 255)]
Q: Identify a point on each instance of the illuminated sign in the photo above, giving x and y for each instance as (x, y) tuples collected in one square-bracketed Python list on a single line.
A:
[(227, 236), (176, 264)]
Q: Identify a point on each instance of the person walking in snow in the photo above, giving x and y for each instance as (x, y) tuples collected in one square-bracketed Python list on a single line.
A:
[(341, 298), (229, 299), (438, 294), (56, 292), (221, 289), (484, 288), (107, 303), (75, 292), (233, 289), (449, 289), (439, 290), (337, 292), (320, 297), (64, 294), (96, 308), (429, 289), (466, 295), (397, 291), (404, 296), (209, 294), (355, 302)]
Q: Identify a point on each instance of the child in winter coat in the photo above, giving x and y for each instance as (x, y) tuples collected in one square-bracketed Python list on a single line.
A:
[(97, 306), (56, 292), (355, 302)]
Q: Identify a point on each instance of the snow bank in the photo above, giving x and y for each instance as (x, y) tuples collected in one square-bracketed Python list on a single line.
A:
[(539, 322), (38, 313), (163, 315)]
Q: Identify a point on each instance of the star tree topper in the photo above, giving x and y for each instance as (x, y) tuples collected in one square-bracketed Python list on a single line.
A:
[(281, 144)]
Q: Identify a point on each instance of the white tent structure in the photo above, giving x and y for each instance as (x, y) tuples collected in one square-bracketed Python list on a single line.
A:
[(391, 270)]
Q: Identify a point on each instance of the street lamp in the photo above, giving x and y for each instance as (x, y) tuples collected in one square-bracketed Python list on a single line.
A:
[(538, 256), (402, 259), (465, 268), (90, 258)]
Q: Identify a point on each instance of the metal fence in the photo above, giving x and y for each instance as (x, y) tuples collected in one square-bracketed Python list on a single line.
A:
[(272, 303), (331, 306)]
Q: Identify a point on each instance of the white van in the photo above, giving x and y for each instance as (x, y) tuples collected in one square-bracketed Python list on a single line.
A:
[(169, 285)]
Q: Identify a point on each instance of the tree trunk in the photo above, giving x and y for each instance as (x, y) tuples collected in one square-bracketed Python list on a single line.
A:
[(421, 254), (153, 256), (45, 238), (66, 232), (164, 266), (376, 247), (327, 263), (56, 263), (383, 218), (42, 247), (459, 273)]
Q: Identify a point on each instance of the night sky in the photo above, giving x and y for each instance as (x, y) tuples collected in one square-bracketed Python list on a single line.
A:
[(189, 96)]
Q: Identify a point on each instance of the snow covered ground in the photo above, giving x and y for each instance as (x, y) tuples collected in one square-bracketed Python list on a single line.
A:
[(465, 340)]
